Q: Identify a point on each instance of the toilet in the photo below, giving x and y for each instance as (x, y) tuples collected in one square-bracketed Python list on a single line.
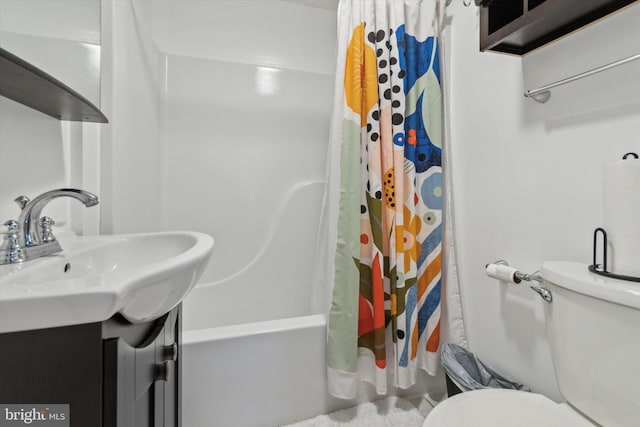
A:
[(593, 326)]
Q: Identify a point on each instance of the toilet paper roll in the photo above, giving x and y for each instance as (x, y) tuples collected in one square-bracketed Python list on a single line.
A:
[(502, 272), (622, 215)]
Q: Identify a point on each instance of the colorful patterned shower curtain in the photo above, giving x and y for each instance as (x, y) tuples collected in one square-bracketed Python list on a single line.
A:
[(386, 181)]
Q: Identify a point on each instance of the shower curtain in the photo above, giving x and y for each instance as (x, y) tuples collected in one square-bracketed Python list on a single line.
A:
[(385, 196)]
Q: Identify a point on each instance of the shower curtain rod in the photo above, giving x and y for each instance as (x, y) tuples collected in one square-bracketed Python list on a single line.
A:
[(542, 94)]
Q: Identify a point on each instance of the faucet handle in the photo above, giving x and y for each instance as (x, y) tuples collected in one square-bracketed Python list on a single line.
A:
[(45, 229), (22, 201), (11, 227), (11, 234), (10, 249)]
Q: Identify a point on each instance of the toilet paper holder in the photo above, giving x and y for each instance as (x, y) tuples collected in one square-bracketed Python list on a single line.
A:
[(601, 269), (519, 276)]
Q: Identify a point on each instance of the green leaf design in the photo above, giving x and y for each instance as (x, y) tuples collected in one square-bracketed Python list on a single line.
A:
[(372, 341), (375, 216), (365, 280)]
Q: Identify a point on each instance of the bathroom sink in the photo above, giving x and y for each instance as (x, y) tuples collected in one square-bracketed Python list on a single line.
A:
[(140, 276)]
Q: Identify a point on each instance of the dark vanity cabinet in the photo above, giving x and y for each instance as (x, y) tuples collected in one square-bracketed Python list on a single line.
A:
[(519, 26), (112, 373)]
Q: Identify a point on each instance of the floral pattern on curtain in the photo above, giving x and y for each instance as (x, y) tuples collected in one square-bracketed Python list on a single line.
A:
[(384, 321)]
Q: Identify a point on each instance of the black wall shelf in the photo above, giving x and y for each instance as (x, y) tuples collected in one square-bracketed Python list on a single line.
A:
[(519, 26), (30, 86)]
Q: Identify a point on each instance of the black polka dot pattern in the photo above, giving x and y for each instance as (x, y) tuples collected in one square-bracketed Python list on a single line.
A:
[(391, 104), (383, 43)]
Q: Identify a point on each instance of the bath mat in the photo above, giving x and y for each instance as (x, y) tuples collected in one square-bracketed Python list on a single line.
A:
[(390, 412)]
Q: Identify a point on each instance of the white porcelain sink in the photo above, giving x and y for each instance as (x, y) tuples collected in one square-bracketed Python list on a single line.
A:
[(141, 276)]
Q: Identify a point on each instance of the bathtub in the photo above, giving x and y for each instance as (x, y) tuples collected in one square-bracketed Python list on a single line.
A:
[(253, 352), (253, 349), (257, 374), (264, 374)]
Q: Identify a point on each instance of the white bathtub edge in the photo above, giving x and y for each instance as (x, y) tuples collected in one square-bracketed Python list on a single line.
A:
[(250, 329)]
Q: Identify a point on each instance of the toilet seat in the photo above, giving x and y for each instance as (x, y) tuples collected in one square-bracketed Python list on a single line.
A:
[(503, 408)]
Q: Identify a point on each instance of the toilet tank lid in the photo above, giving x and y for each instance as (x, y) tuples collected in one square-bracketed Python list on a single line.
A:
[(576, 277)]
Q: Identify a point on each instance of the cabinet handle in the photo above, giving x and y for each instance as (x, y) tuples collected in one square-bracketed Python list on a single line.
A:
[(170, 352), (163, 371)]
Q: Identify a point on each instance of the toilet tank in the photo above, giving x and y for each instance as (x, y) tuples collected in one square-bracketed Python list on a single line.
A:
[(593, 324)]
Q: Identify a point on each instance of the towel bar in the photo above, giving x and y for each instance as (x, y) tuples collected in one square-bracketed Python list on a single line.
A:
[(542, 94)]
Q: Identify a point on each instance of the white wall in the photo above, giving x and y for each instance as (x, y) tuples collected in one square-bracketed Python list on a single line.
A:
[(528, 176), (37, 152), (272, 33), (132, 152), (247, 121), (220, 122), (32, 158), (61, 37)]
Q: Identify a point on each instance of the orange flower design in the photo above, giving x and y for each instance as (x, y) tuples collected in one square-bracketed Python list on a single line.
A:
[(361, 75), (406, 240)]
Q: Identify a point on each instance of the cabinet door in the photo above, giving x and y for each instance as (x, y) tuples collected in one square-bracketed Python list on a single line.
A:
[(171, 354), (134, 395), (57, 365), (119, 383)]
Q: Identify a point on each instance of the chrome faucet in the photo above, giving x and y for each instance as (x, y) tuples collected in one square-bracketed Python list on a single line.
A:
[(31, 237)]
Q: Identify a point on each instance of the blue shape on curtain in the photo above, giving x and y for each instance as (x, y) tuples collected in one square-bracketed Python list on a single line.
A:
[(412, 299), (415, 57), (430, 243), (429, 307), (432, 199), (423, 154)]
